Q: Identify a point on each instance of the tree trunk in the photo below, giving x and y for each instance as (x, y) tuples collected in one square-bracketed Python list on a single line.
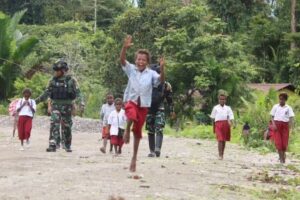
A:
[(95, 16), (293, 21)]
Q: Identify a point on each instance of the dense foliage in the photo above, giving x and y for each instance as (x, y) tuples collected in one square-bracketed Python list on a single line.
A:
[(209, 45)]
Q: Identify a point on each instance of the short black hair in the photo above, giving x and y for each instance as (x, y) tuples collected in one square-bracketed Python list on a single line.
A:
[(144, 52), (284, 95), (118, 100), (27, 90)]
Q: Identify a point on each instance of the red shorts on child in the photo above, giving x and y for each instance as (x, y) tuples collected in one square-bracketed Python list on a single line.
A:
[(105, 134), (281, 136), (138, 115), (24, 127), (116, 140), (222, 130)]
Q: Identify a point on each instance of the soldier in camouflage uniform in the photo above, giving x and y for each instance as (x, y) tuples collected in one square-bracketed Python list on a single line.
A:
[(155, 121), (62, 90)]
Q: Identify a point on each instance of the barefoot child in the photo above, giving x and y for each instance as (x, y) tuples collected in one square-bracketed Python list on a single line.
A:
[(26, 108), (116, 126), (282, 120), (138, 93), (222, 116), (105, 111)]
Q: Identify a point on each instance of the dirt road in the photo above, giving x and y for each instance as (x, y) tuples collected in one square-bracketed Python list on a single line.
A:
[(187, 170)]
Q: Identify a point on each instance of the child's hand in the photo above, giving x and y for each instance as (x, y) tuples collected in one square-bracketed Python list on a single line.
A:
[(128, 42)]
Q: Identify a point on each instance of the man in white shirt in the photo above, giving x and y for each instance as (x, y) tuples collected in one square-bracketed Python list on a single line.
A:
[(282, 119), (105, 111), (26, 108), (222, 116)]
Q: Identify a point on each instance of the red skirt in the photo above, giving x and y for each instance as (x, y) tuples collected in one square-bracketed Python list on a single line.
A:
[(116, 140), (138, 115), (222, 130), (281, 136), (24, 127)]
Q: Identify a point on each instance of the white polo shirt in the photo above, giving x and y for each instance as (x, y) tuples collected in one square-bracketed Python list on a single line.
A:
[(282, 113), (26, 111), (116, 120), (221, 113)]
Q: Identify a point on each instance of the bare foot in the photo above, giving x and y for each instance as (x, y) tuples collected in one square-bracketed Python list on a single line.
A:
[(220, 157), (133, 165), (126, 137), (102, 150)]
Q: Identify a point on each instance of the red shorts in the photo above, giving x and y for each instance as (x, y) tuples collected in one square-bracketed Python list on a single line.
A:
[(105, 133), (281, 136), (24, 127), (222, 130), (116, 140), (138, 115)]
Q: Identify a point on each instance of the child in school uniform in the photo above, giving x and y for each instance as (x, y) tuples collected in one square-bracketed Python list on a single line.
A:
[(26, 108), (222, 116), (105, 111), (282, 120), (138, 93), (116, 126)]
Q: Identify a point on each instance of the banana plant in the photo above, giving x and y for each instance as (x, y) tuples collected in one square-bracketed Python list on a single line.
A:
[(14, 48)]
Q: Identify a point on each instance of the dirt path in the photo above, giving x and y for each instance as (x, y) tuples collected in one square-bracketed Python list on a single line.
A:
[(187, 170)]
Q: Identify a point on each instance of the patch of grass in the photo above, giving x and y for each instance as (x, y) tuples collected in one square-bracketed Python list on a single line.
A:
[(280, 194), (3, 108), (201, 132), (293, 168)]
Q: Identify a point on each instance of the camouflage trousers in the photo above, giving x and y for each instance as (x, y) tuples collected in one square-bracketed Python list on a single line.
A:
[(61, 120), (155, 122)]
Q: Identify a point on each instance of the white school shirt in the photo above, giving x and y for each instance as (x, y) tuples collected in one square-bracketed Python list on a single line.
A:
[(26, 111), (282, 113), (106, 109), (116, 120), (221, 113), (140, 84)]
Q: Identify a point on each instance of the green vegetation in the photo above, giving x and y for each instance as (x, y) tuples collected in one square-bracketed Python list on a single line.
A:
[(209, 45)]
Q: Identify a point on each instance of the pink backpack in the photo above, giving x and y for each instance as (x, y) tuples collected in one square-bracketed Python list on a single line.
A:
[(12, 108)]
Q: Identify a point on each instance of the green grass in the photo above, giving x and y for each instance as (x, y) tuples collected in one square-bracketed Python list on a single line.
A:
[(205, 132), (201, 132), (277, 194)]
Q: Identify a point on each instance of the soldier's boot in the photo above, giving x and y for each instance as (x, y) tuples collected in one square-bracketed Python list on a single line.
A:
[(159, 141), (68, 148), (51, 148), (151, 139)]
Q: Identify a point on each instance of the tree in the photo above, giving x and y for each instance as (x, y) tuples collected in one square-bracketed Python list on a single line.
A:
[(14, 48), (293, 21)]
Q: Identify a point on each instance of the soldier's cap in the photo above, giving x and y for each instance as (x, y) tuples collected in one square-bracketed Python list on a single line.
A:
[(155, 67), (60, 65)]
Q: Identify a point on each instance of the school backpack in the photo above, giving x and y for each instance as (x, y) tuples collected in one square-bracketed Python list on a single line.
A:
[(12, 108)]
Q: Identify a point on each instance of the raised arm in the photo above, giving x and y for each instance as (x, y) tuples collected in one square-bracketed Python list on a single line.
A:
[(162, 69), (126, 45)]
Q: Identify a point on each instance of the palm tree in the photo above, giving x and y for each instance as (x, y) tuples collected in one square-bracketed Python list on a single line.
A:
[(14, 48)]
